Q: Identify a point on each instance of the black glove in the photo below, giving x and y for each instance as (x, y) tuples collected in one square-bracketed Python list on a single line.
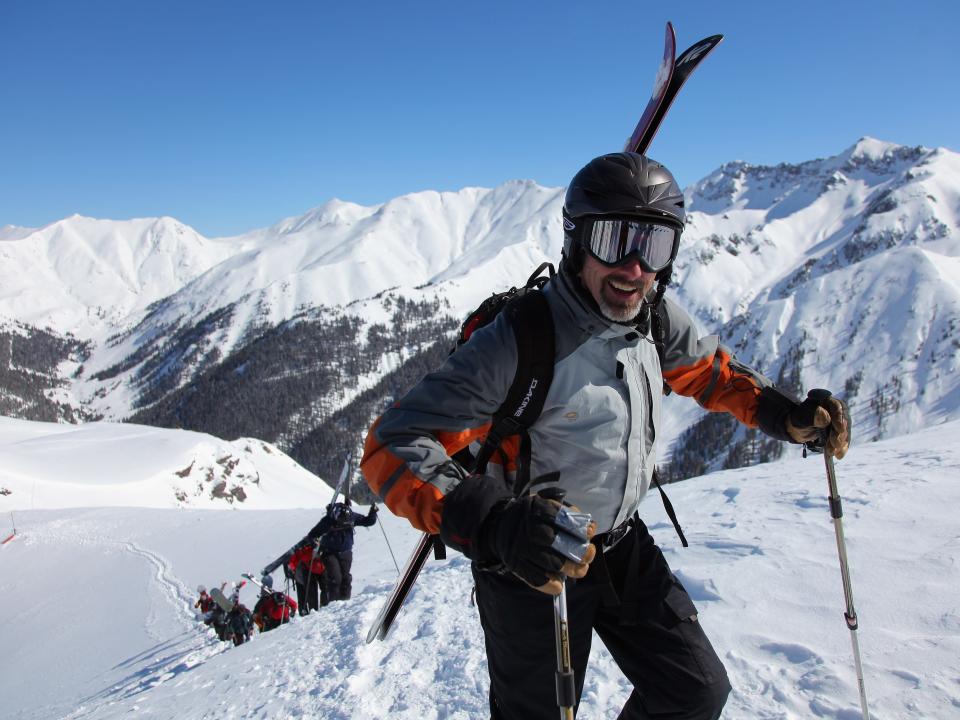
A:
[(466, 508), (822, 422), (372, 512), (518, 533)]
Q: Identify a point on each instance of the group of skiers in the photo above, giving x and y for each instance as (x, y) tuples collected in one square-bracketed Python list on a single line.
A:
[(230, 619), (318, 565)]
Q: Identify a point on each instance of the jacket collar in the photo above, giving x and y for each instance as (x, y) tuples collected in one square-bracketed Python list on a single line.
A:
[(583, 310)]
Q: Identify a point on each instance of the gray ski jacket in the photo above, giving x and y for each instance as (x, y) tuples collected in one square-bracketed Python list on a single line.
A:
[(600, 421)]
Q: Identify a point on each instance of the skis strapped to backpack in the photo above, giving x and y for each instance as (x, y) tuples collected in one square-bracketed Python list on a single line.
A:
[(344, 478), (225, 603), (671, 76), (533, 328)]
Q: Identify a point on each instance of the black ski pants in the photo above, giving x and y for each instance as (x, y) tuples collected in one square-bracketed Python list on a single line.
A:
[(649, 626), (308, 594), (337, 582)]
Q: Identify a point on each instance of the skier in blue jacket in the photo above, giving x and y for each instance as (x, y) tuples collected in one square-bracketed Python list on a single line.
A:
[(335, 548)]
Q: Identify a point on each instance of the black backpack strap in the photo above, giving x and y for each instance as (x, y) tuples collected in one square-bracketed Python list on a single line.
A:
[(532, 323), (668, 506), (658, 329)]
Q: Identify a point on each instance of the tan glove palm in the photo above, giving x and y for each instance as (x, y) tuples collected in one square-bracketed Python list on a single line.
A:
[(831, 414)]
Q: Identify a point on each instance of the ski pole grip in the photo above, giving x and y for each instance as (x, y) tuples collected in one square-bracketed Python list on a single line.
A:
[(553, 493), (804, 413)]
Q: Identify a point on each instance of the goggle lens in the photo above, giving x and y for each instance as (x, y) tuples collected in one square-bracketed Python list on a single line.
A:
[(614, 241)]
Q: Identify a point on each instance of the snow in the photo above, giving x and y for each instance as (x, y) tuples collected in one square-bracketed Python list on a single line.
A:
[(775, 259), (47, 465), (97, 601)]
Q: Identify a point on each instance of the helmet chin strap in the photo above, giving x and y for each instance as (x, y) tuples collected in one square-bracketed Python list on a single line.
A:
[(652, 306), (663, 279)]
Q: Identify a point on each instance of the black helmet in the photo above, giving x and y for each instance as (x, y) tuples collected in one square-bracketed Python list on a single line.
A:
[(267, 581), (626, 185)]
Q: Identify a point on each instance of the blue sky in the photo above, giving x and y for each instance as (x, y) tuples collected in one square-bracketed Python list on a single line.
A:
[(230, 115)]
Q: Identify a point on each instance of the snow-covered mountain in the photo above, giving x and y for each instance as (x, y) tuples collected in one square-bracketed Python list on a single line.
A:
[(840, 272), (98, 618), (87, 276)]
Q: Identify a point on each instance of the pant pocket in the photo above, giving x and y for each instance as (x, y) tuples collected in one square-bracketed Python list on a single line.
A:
[(682, 618), (679, 604)]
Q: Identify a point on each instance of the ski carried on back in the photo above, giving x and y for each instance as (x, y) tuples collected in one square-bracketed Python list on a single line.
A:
[(661, 84), (225, 603), (344, 478), (249, 576), (671, 76), (222, 600)]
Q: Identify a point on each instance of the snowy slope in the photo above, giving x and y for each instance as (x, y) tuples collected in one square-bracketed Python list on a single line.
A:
[(98, 621), (47, 465), (14, 232), (86, 276)]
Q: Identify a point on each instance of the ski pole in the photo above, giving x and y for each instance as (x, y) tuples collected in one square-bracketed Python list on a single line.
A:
[(566, 685), (313, 584), (836, 512), (387, 541), (286, 595)]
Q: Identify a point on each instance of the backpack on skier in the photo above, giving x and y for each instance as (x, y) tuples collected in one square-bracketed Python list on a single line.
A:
[(534, 332)]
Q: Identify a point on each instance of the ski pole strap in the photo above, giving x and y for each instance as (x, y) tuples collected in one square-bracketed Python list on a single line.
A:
[(671, 513), (439, 549)]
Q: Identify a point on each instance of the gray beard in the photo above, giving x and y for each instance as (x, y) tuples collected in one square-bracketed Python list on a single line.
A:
[(619, 315)]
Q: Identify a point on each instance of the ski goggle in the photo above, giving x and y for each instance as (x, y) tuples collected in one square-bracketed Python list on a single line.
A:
[(614, 241)]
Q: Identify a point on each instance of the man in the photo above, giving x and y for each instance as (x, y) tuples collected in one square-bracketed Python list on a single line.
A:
[(239, 620), (273, 608), (335, 531), (303, 565), (330, 545), (623, 217), (204, 603)]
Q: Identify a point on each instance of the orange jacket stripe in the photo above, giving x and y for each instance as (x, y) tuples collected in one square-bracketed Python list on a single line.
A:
[(729, 391), (400, 489)]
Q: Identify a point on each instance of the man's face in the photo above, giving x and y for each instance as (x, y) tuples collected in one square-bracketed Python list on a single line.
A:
[(619, 290)]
